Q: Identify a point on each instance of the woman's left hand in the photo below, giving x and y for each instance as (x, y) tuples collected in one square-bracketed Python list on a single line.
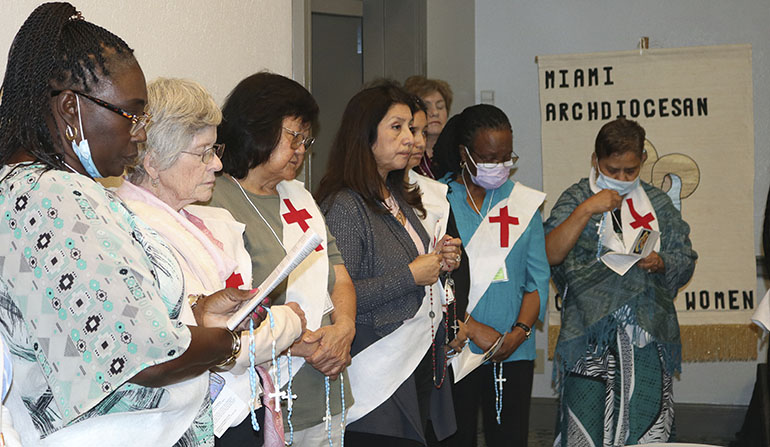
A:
[(653, 263), (333, 353), (458, 343), (450, 249)]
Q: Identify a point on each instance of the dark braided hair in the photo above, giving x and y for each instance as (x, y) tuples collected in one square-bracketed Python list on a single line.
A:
[(54, 49), (461, 130)]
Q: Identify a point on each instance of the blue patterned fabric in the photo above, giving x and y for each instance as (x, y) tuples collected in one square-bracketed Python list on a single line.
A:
[(7, 371), (594, 292), (89, 297)]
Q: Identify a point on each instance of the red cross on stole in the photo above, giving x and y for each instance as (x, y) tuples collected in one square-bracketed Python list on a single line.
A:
[(504, 220), (639, 220), (298, 217)]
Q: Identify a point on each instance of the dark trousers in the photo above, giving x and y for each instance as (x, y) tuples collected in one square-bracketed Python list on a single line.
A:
[(243, 434), (423, 380), (477, 390), (360, 439)]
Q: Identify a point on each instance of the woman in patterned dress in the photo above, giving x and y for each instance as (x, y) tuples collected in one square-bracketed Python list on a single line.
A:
[(90, 297), (619, 341)]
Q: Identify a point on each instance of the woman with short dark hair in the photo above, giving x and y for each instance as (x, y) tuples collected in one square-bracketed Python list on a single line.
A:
[(398, 353), (267, 127), (619, 344), (503, 291)]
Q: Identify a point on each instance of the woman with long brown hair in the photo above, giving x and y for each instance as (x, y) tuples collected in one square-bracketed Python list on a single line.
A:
[(398, 353)]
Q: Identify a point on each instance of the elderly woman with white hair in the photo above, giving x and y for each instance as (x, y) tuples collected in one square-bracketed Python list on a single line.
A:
[(175, 168)]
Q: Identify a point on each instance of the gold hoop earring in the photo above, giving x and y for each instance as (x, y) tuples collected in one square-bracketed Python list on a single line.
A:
[(70, 133), (154, 182)]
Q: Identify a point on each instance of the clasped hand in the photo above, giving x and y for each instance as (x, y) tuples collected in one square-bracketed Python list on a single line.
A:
[(426, 268), (327, 349)]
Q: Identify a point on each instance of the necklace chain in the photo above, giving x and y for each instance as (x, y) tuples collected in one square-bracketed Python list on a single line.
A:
[(258, 212)]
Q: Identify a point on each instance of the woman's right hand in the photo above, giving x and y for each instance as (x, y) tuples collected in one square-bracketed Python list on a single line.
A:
[(603, 201), (484, 336), (214, 310), (426, 268)]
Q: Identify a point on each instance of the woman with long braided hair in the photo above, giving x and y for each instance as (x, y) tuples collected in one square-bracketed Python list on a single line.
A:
[(91, 300)]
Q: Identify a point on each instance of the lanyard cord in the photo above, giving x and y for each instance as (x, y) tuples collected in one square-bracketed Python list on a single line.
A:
[(259, 213)]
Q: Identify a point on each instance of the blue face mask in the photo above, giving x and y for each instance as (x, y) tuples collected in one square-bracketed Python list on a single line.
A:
[(83, 150), (623, 188)]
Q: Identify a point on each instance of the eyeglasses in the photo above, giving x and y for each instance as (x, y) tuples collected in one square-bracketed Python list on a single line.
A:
[(208, 154), (138, 122), (299, 139), (509, 163)]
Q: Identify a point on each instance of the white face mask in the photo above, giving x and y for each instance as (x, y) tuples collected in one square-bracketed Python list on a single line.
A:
[(83, 150), (605, 182), (490, 175)]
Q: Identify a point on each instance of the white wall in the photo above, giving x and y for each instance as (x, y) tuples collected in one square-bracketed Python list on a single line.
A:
[(451, 50), (214, 42), (510, 33)]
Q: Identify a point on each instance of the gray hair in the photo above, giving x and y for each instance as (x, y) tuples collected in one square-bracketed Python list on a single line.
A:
[(180, 108)]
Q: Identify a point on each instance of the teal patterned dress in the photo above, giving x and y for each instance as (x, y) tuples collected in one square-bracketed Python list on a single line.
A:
[(619, 340), (89, 297)]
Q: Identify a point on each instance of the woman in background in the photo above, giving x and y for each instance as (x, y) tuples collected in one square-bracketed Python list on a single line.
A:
[(437, 96)]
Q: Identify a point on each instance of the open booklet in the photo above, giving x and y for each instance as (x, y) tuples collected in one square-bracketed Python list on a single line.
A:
[(466, 361), (623, 256), (304, 246)]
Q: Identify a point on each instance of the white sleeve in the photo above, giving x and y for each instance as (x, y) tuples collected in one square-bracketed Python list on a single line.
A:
[(288, 327), (7, 431)]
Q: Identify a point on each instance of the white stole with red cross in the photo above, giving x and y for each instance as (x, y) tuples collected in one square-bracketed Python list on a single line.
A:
[(636, 214), (308, 283), (373, 376), (502, 226)]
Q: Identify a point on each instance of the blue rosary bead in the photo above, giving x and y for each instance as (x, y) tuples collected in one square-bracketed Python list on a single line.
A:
[(252, 377)]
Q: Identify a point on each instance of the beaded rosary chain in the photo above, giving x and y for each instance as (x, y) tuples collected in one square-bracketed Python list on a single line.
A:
[(277, 395), (499, 379), (433, 340)]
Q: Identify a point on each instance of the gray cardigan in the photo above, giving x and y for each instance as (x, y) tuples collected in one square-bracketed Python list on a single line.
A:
[(377, 251)]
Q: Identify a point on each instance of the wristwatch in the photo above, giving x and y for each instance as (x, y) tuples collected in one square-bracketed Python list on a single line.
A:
[(527, 329)]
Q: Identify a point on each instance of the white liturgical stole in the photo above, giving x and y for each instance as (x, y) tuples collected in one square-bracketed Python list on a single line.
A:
[(640, 232), (308, 283), (376, 372)]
